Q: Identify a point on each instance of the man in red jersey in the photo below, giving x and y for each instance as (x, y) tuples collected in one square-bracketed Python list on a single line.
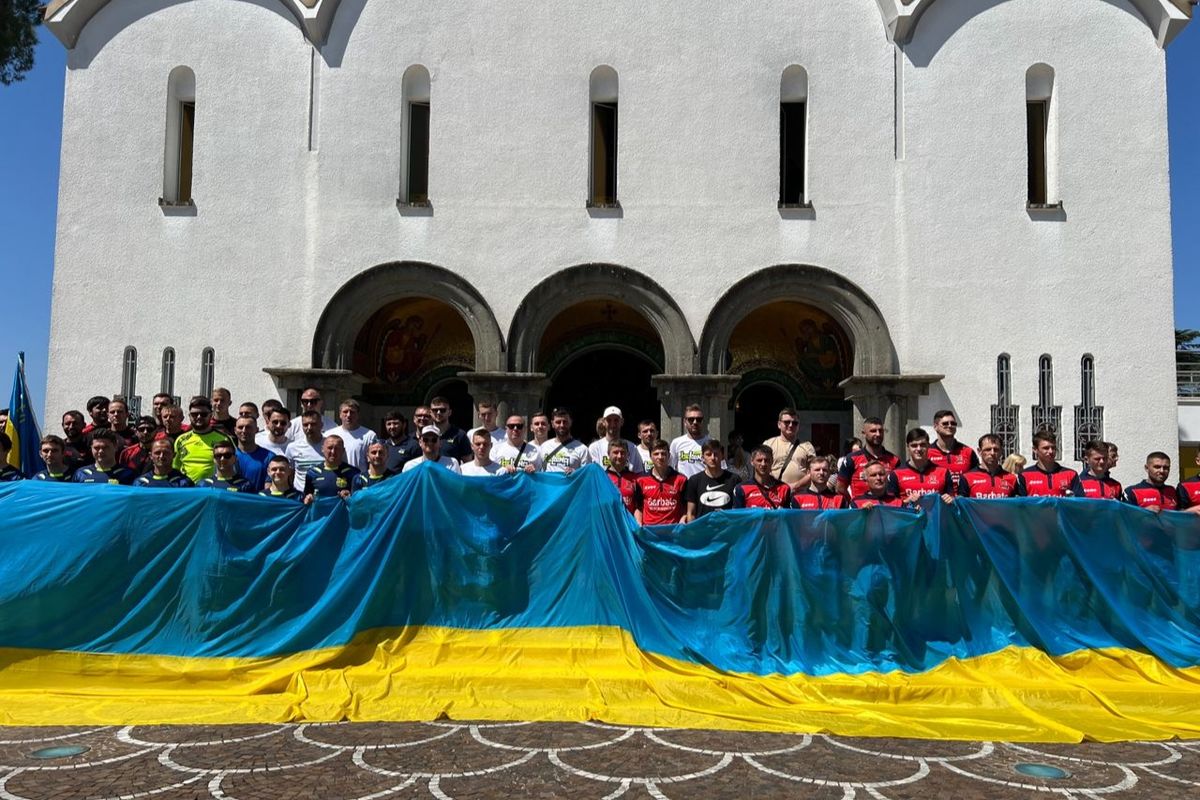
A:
[(946, 450), (850, 477), (1188, 492), (989, 480), (919, 476), (764, 490), (1046, 478), (818, 495), (1094, 481), (878, 493), (1153, 493), (662, 488), (622, 477)]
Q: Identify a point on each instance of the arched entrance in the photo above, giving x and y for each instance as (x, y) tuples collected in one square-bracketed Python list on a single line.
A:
[(411, 350), (601, 353), (791, 354)]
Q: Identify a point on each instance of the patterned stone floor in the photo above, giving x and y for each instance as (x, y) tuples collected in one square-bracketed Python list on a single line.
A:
[(461, 760)]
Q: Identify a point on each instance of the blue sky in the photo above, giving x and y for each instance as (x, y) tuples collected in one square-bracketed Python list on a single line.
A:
[(30, 132)]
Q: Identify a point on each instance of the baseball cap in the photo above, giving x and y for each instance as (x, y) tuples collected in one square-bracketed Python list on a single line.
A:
[(613, 411), (431, 429)]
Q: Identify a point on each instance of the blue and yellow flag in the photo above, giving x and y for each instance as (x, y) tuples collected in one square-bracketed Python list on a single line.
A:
[(22, 426), (536, 597)]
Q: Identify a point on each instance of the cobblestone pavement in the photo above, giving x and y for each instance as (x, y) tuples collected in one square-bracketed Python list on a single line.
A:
[(462, 760)]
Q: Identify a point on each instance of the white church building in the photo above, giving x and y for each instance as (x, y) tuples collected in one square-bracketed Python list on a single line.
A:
[(852, 207)]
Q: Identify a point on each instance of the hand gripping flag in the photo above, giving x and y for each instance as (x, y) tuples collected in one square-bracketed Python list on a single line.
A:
[(22, 426)]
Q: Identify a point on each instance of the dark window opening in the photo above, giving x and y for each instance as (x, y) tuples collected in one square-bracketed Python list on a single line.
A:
[(187, 130), (604, 154), (418, 152), (1037, 116), (792, 122)]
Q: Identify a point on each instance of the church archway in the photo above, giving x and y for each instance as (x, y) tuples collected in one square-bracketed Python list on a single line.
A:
[(600, 353), (608, 282), (350, 308), (412, 349)]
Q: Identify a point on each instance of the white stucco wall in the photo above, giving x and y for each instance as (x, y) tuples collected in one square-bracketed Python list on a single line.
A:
[(939, 237)]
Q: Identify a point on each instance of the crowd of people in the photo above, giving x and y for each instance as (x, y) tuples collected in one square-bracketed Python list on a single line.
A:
[(309, 456)]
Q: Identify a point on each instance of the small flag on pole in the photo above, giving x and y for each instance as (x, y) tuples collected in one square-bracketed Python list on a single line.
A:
[(22, 426)]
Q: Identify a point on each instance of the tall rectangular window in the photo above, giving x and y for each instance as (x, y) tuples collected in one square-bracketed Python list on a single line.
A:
[(418, 152), (792, 124), (187, 128), (604, 154), (1037, 113)]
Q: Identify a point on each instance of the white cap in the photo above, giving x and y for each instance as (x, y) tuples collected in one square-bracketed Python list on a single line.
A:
[(613, 411), (430, 429)]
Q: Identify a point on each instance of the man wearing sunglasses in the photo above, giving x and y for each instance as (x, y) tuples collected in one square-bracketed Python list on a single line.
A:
[(515, 454), (194, 448), (946, 450), (226, 477), (790, 455), (310, 400), (430, 440), (455, 443), (687, 451), (137, 455)]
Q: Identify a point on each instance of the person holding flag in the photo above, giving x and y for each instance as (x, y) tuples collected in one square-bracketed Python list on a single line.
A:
[(21, 428)]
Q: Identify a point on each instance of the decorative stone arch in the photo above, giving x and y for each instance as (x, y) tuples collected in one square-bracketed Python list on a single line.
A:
[(66, 19), (593, 281), (364, 294), (1165, 18), (849, 305)]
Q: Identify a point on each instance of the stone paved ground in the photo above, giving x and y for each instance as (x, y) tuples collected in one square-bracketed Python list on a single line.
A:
[(461, 760)]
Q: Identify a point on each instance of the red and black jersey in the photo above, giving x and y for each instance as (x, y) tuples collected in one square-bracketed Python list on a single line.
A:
[(1188, 493), (661, 501), (958, 460), (809, 499), (984, 485), (626, 483), (1037, 482), (1146, 494), (1089, 485), (851, 472), (868, 500), (772, 494), (932, 479), (136, 457), (77, 452)]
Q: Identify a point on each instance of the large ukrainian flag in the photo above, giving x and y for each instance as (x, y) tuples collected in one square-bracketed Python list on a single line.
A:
[(536, 598), (22, 426)]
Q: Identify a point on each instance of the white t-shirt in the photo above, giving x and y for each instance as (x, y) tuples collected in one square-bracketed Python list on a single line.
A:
[(506, 455), (304, 456), (559, 457), (473, 470), (598, 450), (644, 453), (686, 454), (263, 440), (357, 441), (295, 431), (446, 461)]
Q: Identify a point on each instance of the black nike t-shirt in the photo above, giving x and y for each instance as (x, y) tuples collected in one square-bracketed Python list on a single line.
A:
[(711, 494)]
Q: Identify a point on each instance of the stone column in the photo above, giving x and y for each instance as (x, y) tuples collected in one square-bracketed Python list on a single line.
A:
[(892, 398), (711, 392), (512, 392)]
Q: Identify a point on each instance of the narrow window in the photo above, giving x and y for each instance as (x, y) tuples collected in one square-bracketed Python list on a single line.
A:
[(603, 162), (414, 171), (207, 371), (1004, 413), (178, 159), (1040, 138), (167, 385), (1045, 413), (129, 372), (1089, 417), (793, 137)]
